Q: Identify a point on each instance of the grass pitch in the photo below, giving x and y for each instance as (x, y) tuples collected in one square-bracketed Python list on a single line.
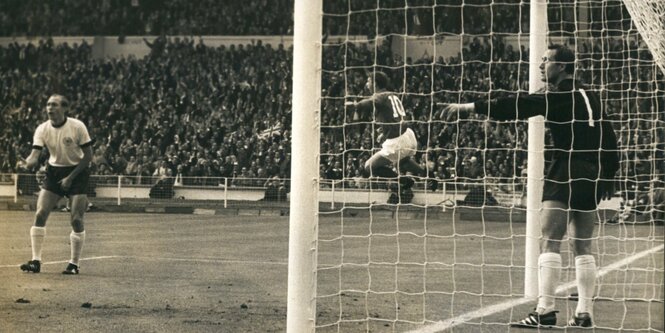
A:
[(190, 273)]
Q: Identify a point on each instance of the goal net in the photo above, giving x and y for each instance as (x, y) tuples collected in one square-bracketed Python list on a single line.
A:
[(449, 255)]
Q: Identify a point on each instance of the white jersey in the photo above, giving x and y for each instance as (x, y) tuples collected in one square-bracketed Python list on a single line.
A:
[(64, 142)]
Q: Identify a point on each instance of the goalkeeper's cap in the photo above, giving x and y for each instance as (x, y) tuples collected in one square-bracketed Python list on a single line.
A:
[(381, 80)]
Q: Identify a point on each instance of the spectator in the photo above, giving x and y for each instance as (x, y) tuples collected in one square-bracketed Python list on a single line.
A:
[(275, 190), (161, 172), (132, 166)]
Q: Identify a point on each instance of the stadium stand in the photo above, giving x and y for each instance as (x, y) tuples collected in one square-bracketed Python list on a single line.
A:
[(154, 110), (151, 111)]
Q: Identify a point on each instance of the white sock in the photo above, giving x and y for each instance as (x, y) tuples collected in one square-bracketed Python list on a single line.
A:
[(585, 274), (76, 239), (549, 272), (37, 235)]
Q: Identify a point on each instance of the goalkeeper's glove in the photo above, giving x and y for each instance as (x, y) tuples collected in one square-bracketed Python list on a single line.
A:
[(452, 110)]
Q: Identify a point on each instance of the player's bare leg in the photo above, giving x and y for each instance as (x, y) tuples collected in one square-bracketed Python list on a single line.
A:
[(581, 232), (555, 221), (45, 203), (77, 237)]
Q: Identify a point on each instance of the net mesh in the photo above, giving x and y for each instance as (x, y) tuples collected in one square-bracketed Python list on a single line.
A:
[(452, 256), (649, 18)]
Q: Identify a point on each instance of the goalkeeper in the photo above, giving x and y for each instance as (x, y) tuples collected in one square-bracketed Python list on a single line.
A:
[(584, 162), (400, 145)]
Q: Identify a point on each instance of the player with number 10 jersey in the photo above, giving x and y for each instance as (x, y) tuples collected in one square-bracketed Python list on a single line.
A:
[(400, 146)]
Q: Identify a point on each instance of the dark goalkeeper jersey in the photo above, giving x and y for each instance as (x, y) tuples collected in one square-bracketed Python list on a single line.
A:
[(388, 112), (574, 116)]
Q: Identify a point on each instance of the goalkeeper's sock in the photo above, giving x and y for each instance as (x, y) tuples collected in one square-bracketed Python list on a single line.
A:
[(37, 235), (549, 272), (77, 239), (585, 274)]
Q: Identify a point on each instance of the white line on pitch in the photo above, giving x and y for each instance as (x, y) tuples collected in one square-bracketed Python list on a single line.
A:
[(233, 261), (486, 311), (66, 261)]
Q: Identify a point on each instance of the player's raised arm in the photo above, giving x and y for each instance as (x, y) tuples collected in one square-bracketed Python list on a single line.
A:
[(359, 109), (507, 108), (450, 111), (362, 104)]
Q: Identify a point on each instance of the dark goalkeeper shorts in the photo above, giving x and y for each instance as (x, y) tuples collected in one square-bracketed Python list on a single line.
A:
[(573, 182), (56, 174)]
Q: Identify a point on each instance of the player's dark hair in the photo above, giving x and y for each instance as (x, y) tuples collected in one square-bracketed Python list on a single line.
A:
[(381, 80), (564, 55)]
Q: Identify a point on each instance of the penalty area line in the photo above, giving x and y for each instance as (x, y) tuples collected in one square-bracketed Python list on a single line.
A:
[(66, 261), (486, 311)]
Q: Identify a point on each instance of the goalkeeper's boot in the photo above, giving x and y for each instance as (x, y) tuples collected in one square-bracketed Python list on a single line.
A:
[(71, 269), (34, 266), (536, 320), (581, 320)]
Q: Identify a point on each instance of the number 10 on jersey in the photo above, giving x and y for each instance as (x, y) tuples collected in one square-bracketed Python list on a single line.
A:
[(398, 108)]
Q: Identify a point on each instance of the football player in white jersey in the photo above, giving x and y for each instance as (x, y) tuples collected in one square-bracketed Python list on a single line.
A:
[(70, 148)]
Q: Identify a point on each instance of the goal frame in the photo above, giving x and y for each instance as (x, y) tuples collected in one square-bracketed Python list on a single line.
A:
[(304, 201), (303, 219)]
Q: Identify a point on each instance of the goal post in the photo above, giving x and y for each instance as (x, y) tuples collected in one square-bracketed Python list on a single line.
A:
[(536, 148), (304, 205)]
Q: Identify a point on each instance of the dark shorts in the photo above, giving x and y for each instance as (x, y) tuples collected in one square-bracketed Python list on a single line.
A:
[(56, 174), (573, 182)]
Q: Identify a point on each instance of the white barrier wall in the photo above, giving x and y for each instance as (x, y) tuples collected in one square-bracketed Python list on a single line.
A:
[(336, 197)]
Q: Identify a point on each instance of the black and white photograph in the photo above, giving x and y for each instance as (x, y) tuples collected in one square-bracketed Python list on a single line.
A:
[(332, 166)]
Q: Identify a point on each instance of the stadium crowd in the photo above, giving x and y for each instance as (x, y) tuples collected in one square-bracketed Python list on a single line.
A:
[(257, 17), (195, 112), (144, 17), (203, 112), (275, 17)]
